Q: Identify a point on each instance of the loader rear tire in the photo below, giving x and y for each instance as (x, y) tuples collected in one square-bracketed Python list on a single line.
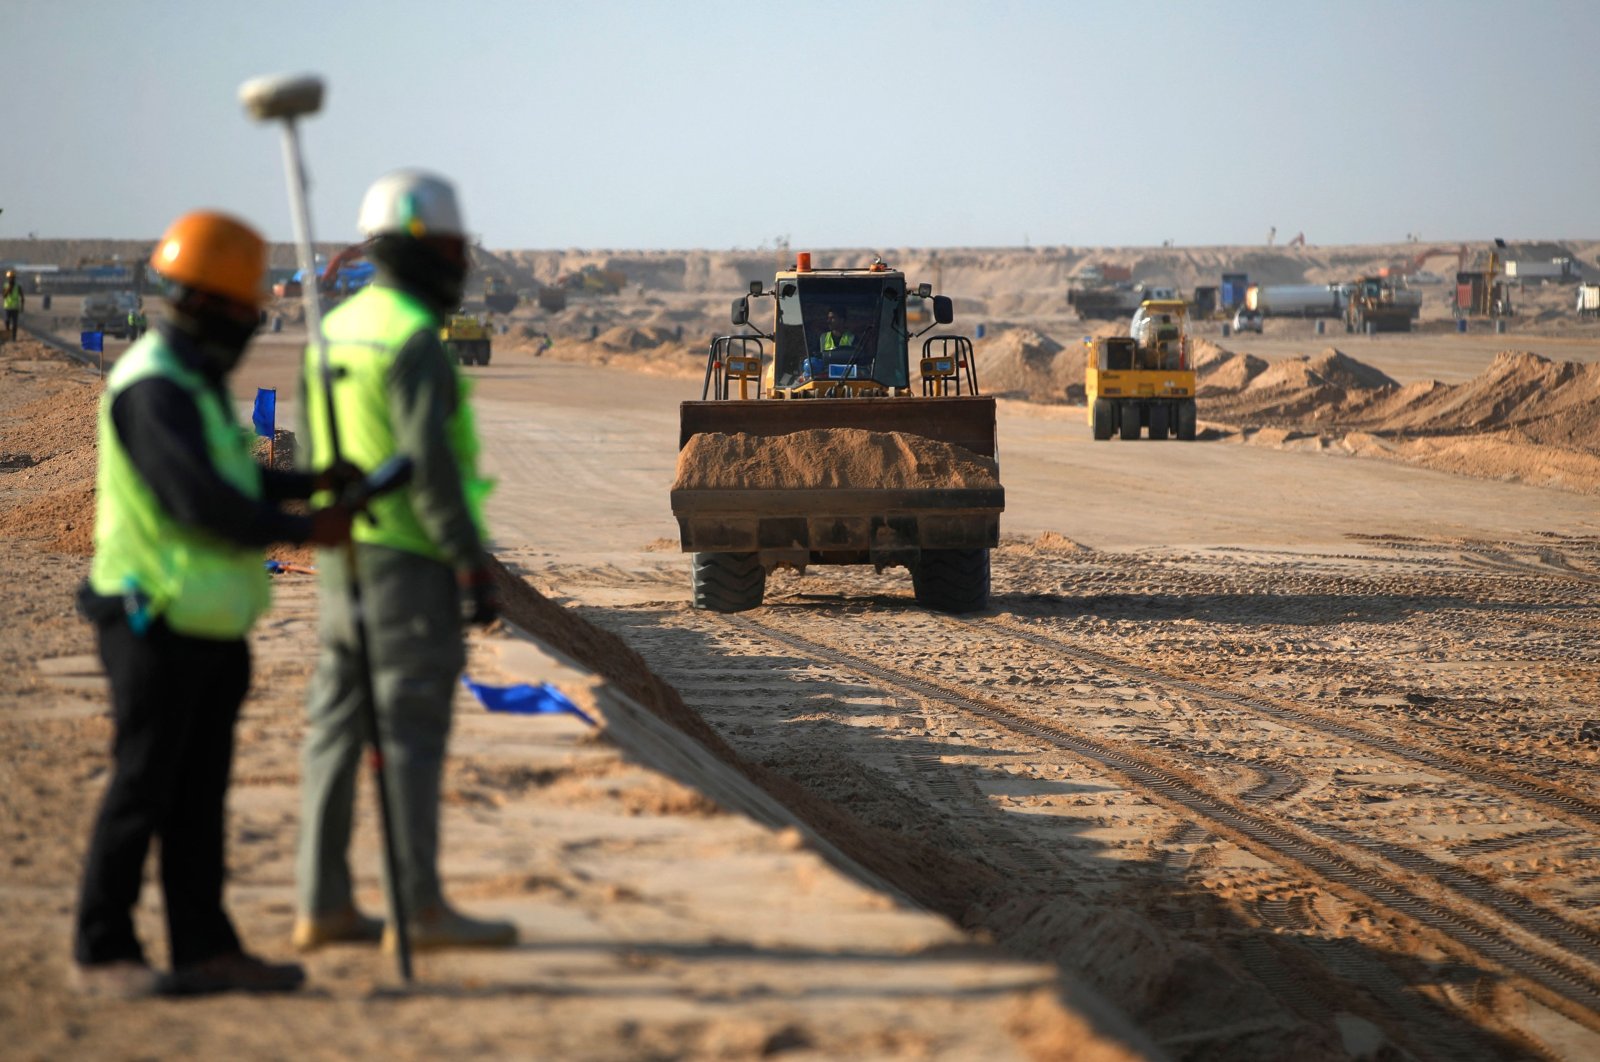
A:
[(952, 580), (1104, 419), (728, 582), (1130, 420), (1158, 420), (1186, 420)]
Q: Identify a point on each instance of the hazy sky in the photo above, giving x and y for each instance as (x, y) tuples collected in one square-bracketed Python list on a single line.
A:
[(684, 124)]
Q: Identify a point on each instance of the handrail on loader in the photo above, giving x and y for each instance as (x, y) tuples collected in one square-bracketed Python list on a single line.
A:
[(723, 365), (943, 372)]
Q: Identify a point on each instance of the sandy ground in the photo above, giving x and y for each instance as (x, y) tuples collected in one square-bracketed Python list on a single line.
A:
[(1282, 748)]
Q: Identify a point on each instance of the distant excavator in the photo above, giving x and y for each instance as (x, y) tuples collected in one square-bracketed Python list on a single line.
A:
[(345, 274)]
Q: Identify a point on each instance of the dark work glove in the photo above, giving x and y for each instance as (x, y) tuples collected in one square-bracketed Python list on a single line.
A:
[(338, 477), (330, 526), (480, 605)]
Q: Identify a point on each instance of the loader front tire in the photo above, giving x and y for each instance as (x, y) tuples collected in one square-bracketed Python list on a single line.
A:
[(728, 582), (952, 580)]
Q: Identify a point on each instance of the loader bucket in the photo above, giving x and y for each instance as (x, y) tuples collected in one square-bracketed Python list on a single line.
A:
[(966, 421), (862, 523)]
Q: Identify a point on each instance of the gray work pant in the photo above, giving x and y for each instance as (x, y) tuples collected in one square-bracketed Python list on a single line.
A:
[(414, 633)]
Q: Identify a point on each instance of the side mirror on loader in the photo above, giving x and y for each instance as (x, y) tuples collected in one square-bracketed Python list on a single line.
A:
[(944, 311), (741, 311)]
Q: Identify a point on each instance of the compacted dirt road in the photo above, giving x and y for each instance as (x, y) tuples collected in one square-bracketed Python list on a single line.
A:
[(1283, 752), (1298, 739)]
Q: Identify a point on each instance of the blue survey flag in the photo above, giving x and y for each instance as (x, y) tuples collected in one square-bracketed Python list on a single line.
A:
[(525, 699), (266, 412), (93, 341)]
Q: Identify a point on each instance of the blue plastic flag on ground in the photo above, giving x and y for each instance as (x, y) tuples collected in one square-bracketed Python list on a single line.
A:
[(525, 699), (266, 412), (93, 341)]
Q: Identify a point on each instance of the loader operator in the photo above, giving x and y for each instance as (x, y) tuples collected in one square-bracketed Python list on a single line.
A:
[(176, 583), (834, 334), (11, 295), (396, 391)]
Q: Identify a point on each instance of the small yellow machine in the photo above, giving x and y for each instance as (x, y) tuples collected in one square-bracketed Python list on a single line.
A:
[(1144, 379), (466, 338)]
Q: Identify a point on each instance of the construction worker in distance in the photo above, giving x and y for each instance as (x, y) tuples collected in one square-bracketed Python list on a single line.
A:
[(834, 334), (13, 299), (422, 568), (136, 323), (182, 517)]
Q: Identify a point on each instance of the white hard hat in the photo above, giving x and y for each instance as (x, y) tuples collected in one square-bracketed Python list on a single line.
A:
[(410, 203)]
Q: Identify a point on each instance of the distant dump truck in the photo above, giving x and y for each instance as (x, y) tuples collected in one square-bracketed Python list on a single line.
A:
[(1143, 381), (466, 339), (1105, 304), (821, 454)]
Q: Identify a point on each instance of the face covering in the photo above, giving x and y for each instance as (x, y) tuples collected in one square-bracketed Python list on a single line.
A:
[(220, 332), (421, 269)]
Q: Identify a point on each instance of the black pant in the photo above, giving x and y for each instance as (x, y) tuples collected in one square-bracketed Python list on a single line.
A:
[(176, 700), (11, 322)]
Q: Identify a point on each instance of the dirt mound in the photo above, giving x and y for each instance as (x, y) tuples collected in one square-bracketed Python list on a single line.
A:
[(48, 450), (1524, 418), (1222, 371), (1289, 392), (837, 458), (1023, 363), (1341, 370), (279, 454), (1557, 403)]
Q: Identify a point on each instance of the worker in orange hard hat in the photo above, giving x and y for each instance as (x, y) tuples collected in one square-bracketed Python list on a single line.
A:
[(183, 513)]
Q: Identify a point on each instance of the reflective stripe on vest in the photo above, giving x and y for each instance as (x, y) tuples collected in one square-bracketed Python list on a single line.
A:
[(846, 339), (364, 336), (202, 585)]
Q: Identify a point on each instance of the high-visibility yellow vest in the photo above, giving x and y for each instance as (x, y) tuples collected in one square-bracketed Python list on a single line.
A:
[(14, 297), (203, 585), (846, 339), (364, 336)]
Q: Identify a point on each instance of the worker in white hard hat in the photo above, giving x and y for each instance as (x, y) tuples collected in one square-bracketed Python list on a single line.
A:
[(422, 568)]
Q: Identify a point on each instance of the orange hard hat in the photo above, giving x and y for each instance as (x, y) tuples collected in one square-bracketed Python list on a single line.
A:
[(214, 253)]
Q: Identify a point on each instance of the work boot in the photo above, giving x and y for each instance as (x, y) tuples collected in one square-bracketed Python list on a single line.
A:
[(439, 926), (124, 979), (348, 926), (237, 972)]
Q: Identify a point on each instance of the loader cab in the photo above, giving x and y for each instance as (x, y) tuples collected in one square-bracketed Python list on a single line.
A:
[(840, 330)]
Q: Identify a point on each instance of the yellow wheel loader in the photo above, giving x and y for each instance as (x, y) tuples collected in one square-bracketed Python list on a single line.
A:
[(809, 446), (1143, 381)]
